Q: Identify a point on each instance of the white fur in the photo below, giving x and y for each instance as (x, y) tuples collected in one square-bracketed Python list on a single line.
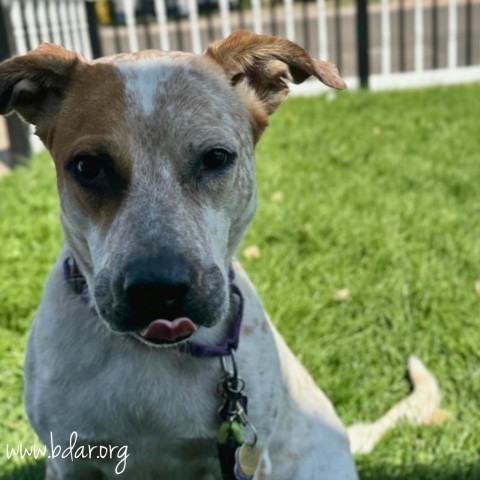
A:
[(144, 79)]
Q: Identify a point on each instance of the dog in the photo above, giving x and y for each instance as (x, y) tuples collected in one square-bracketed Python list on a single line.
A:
[(150, 337)]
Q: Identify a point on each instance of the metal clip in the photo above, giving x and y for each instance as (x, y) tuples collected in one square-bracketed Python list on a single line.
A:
[(231, 387), (231, 384), (233, 372)]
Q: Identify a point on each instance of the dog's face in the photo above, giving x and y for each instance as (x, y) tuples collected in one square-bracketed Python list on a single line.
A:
[(154, 157), (157, 186)]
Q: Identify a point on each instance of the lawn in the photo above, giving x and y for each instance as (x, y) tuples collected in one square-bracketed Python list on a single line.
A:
[(377, 193)]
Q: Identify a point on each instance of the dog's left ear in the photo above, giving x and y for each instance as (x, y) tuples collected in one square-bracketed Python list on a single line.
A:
[(33, 84), (264, 62)]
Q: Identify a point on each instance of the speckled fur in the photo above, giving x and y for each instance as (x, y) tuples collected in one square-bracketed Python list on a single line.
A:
[(151, 110)]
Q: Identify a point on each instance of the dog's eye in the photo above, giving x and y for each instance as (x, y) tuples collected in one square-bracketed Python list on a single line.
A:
[(87, 167), (216, 158), (95, 172)]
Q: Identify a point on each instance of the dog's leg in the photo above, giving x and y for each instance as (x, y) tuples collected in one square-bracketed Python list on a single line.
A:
[(70, 471), (418, 409)]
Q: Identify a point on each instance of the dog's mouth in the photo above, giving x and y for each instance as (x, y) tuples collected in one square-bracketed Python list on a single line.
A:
[(167, 332)]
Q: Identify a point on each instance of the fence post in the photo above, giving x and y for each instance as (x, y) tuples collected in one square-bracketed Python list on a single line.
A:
[(363, 43), (18, 131), (93, 32)]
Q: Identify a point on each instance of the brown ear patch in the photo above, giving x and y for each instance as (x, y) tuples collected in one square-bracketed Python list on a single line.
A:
[(32, 84), (247, 53), (264, 62)]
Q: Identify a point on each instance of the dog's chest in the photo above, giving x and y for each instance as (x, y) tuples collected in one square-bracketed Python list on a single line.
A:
[(167, 419), (160, 400)]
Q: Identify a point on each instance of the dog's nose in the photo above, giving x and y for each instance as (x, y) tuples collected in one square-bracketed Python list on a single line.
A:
[(156, 287)]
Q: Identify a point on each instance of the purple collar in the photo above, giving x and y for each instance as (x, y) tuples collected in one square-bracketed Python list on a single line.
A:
[(74, 277), (229, 343)]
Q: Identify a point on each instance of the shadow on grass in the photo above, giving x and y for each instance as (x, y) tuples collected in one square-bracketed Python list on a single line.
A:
[(420, 472), (31, 471)]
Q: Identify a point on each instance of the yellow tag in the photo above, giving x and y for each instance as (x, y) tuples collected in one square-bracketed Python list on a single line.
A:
[(248, 458)]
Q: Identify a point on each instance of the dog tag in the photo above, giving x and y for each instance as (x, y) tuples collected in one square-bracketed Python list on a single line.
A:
[(247, 458)]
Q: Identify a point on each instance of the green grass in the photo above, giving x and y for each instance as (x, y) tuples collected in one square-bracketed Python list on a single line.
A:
[(380, 196)]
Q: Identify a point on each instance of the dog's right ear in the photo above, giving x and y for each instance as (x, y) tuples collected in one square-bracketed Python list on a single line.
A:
[(33, 84)]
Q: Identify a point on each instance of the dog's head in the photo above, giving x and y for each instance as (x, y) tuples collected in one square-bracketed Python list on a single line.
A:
[(154, 158)]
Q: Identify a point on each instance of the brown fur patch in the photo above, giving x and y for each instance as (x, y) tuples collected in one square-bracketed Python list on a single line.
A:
[(91, 118)]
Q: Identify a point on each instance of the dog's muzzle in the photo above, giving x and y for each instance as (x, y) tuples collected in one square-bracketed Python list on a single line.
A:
[(162, 299)]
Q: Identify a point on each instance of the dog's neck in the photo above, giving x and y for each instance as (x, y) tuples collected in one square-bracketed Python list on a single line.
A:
[(76, 280)]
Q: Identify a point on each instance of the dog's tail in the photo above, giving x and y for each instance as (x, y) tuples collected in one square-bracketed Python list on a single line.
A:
[(418, 408)]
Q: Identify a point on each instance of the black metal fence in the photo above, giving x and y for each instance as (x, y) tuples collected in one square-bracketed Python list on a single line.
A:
[(341, 21), (353, 31)]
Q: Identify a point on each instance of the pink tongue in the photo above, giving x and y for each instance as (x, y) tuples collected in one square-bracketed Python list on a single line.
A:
[(169, 329)]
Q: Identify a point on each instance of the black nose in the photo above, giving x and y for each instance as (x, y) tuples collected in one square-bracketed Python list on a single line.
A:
[(156, 287)]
